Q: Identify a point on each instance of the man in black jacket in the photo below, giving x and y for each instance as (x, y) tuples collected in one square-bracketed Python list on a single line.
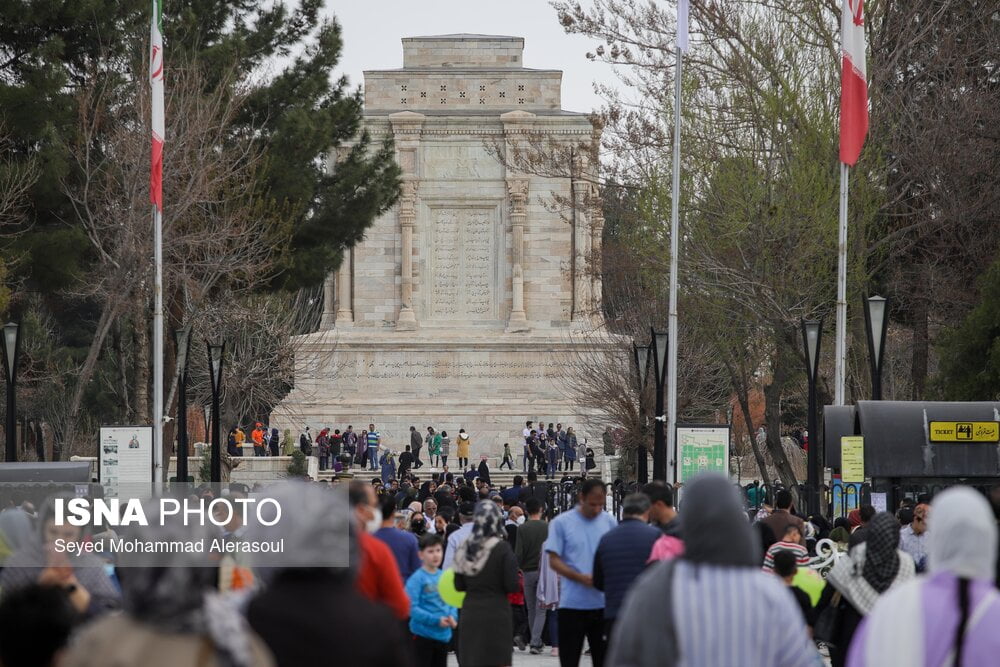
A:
[(416, 442), (622, 554)]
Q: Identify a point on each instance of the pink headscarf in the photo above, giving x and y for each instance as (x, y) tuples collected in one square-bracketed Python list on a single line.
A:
[(665, 548)]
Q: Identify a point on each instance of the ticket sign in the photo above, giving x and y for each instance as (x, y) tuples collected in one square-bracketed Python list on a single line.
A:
[(852, 459), (964, 431)]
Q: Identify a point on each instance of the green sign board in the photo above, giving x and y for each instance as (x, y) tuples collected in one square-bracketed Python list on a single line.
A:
[(702, 448)]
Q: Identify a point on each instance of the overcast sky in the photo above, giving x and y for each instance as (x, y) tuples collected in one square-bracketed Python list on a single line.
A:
[(372, 31)]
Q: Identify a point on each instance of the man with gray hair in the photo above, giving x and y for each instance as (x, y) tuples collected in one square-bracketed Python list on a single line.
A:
[(622, 554)]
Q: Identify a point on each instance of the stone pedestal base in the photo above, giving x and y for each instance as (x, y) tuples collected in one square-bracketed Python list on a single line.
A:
[(488, 383)]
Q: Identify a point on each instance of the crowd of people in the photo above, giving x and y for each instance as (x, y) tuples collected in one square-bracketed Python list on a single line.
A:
[(546, 450), (451, 564)]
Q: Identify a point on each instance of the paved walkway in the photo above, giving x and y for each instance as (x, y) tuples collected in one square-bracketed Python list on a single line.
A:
[(525, 659)]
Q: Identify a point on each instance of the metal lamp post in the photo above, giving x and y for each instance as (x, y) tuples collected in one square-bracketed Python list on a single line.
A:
[(182, 337), (11, 352), (876, 326), (812, 331), (215, 354), (659, 346), (641, 357)]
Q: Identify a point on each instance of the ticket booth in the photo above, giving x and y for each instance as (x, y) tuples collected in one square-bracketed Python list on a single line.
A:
[(913, 448)]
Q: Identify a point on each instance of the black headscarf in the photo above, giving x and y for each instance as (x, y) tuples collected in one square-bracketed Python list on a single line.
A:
[(715, 529), (881, 556)]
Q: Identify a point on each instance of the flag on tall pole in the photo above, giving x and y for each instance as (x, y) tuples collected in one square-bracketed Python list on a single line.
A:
[(156, 84), (853, 128), (853, 83), (670, 474), (156, 198)]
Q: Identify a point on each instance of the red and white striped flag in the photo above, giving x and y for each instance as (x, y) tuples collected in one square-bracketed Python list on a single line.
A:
[(156, 83), (853, 83)]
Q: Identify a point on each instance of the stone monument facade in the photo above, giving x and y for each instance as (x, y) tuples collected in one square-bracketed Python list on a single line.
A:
[(464, 305)]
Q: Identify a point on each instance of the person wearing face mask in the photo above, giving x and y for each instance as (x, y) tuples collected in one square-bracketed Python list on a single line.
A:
[(418, 524), (514, 519), (378, 574)]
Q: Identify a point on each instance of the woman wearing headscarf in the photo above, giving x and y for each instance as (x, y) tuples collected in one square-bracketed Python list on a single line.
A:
[(855, 582), (949, 617), (173, 616), (486, 569), (88, 586), (703, 608), (388, 466)]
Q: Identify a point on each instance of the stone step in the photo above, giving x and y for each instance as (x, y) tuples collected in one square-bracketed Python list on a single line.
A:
[(499, 478)]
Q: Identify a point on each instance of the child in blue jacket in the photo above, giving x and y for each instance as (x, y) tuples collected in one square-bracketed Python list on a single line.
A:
[(431, 620)]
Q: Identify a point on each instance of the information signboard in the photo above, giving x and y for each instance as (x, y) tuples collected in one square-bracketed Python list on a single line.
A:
[(852, 458), (125, 455), (702, 448)]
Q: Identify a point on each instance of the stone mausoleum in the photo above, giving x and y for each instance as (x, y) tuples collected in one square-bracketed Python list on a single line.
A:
[(467, 302)]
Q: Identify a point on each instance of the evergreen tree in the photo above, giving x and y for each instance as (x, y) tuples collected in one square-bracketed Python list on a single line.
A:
[(303, 113)]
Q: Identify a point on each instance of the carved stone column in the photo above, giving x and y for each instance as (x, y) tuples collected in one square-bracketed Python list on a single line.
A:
[(596, 244), (407, 320), (406, 129), (329, 319), (345, 280), (581, 241), (517, 190)]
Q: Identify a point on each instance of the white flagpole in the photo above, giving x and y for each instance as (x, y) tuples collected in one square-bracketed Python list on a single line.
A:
[(672, 312), (841, 350), (157, 349)]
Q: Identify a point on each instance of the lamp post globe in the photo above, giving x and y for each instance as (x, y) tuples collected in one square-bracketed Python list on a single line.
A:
[(11, 352), (182, 339), (640, 355), (876, 309), (812, 333), (659, 341), (216, 352)]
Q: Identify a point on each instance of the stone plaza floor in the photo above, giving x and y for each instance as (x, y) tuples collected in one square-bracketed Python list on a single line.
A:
[(526, 659)]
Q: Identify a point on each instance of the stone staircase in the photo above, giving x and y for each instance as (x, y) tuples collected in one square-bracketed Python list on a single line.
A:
[(499, 478)]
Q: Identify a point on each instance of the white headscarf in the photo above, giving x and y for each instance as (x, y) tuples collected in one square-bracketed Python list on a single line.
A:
[(963, 538), (962, 541)]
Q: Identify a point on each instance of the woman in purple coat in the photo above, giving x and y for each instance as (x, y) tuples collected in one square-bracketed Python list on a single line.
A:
[(949, 617)]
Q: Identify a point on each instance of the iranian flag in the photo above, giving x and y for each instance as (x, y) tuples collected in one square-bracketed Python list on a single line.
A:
[(156, 84), (853, 83)]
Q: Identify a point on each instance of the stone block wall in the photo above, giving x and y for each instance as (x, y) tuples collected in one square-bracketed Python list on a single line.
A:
[(463, 51)]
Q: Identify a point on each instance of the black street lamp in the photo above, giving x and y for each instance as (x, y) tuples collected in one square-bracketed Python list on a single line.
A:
[(215, 353), (182, 337), (812, 331), (659, 345), (876, 326), (641, 357), (11, 352)]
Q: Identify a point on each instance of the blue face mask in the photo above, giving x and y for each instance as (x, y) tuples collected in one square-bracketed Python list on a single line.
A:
[(109, 569)]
